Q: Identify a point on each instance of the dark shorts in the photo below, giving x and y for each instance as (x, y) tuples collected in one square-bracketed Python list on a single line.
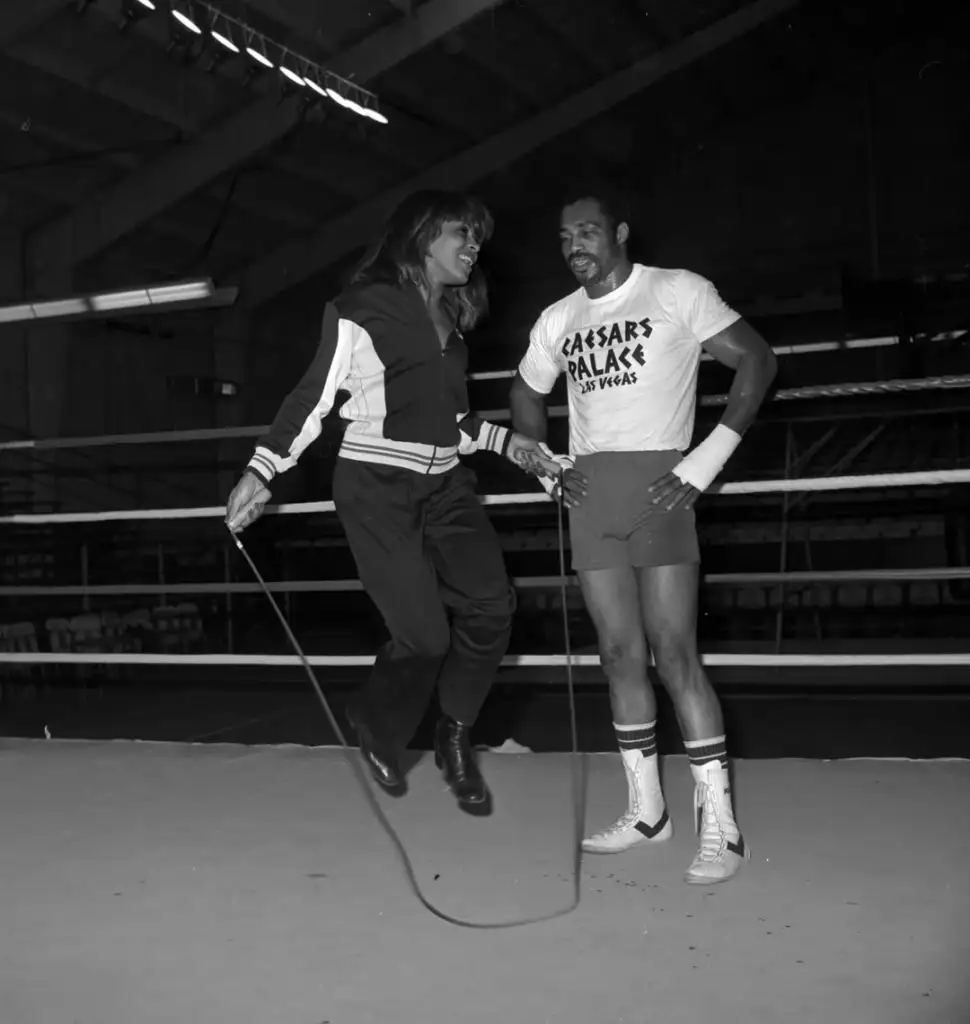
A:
[(617, 525)]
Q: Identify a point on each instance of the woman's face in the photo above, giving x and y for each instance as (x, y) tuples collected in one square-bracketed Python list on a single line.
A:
[(452, 255)]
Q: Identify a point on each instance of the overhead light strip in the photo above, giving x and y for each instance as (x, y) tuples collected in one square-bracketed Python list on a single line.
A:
[(239, 37), (130, 298)]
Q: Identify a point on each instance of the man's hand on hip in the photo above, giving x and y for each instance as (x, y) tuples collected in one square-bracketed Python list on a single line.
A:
[(672, 494), (573, 488)]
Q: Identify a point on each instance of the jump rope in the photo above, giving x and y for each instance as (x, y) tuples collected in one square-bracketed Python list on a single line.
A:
[(577, 764)]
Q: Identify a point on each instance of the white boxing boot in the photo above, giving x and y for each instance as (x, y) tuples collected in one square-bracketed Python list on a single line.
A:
[(722, 849), (646, 819)]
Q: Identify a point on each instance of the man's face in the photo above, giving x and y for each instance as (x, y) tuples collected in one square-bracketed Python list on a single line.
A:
[(590, 246)]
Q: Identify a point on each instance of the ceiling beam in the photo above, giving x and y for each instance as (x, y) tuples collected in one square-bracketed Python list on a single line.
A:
[(79, 69), (297, 260), (93, 226), (63, 66), (406, 36), (149, 190), (18, 18), (38, 183)]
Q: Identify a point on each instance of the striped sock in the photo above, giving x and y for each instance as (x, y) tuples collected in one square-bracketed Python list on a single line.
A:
[(638, 748), (637, 737), (709, 766), (703, 753)]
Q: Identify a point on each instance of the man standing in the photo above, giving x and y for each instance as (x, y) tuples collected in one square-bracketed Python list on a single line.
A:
[(630, 340)]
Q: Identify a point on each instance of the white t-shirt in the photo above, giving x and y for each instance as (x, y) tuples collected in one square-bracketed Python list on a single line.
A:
[(631, 359)]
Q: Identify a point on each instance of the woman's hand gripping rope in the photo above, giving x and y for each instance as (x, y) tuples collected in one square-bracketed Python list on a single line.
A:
[(246, 503), (533, 457), (555, 472)]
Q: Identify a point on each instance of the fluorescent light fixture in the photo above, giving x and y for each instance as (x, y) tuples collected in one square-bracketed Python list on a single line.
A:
[(260, 57), (158, 295), (58, 307), (337, 98), (183, 292), (357, 108), (41, 310), (206, 19), (224, 40), (121, 300), (151, 296), (374, 115), (14, 314), (184, 19)]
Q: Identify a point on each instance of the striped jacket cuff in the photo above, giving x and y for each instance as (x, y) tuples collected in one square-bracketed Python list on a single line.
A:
[(262, 465), (494, 438)]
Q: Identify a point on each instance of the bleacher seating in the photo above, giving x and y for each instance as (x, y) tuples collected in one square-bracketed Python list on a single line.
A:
[(166, 629)]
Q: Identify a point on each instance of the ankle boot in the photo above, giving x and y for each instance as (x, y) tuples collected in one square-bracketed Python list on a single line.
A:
[(379, 758), (453, 755)]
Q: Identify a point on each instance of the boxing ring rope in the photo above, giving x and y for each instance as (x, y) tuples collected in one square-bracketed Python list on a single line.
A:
[(799, 349), (520, 582), (881, 480), (740, 660), (924, 478), (929, 478), (814, 391)]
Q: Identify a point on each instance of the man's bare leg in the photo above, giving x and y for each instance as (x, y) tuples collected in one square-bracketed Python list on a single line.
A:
[(613, 601), (668, 596)]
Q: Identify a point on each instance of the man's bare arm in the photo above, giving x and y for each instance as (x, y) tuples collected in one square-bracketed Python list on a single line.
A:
[(742, 348), (529, 417), (528, 410)]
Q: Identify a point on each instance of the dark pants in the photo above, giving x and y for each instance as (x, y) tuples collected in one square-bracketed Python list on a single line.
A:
[(431, 561)]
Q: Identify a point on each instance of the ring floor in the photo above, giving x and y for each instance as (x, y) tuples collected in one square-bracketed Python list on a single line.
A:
[(155, 882)]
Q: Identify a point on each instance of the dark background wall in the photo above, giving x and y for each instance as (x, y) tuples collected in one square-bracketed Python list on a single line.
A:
[(860, 172), (851, 169)]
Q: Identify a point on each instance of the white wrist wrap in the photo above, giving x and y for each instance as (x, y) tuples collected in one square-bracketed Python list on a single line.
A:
[(708, 459), (564, 461)]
